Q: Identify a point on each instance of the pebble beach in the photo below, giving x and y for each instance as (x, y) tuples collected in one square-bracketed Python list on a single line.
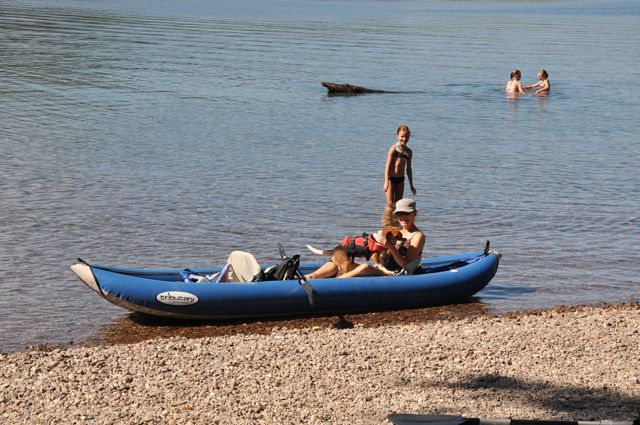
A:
[(579, 363)]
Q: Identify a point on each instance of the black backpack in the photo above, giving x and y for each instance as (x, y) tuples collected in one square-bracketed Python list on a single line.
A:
[(286, 270)]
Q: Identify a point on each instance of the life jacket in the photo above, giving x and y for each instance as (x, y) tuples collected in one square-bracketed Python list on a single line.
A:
[(361, 246)]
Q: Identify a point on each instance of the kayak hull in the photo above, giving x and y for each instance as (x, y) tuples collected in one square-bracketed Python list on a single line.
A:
[(163, 293)]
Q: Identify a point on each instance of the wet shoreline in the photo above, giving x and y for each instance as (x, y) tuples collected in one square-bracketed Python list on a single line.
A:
[(134, 328)]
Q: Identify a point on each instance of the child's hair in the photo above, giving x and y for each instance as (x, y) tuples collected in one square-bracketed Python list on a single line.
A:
[(544, 73), (515, 72), (404, 127)]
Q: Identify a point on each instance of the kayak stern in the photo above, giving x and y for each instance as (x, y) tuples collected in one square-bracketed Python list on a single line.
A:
[(83, 271)]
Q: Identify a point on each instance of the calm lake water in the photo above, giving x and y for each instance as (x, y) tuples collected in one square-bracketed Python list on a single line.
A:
[(168, 133)]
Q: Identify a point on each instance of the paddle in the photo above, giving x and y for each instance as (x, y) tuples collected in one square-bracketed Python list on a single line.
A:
[(283, 255), (301, 279), (416, 419), (307, 287)]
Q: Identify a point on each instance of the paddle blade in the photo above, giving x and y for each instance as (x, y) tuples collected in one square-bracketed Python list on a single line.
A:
[(415, 419), (308, 289), (283, 256), (306, 285)]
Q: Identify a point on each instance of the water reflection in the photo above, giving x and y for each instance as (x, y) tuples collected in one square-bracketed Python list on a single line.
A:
[(507, 291), (513, 105), (543, 98)]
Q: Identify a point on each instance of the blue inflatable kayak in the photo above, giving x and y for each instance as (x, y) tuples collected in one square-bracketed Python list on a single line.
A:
[(165, 293)]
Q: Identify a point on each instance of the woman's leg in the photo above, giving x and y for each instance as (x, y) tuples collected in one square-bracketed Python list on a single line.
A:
[(364, 269), (328, 269)]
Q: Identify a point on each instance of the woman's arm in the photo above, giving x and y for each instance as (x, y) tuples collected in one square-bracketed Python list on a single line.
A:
[(413, 252)]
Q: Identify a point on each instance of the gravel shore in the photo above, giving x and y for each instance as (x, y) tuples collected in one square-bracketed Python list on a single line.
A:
[(575, 363)]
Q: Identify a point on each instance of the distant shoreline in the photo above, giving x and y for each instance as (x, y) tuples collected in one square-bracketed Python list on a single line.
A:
[(562, 363)]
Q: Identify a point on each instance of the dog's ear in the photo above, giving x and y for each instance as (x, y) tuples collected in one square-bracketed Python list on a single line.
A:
[(391, 230)]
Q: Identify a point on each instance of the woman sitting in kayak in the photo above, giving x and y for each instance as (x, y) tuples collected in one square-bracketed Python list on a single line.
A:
[(405, 254)]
